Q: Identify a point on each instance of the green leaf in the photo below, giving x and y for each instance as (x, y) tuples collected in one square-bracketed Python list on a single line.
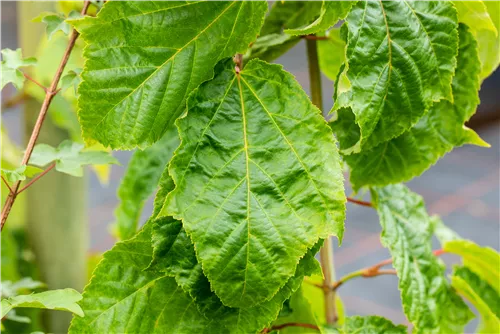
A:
[(141, 66), (435, 134), (258, 180), (62, 300), (140, 181), (331, 54), (481, 295), (122, 297), (372, 325), (483, 261), (331, 13), (272, 41), (71, 79), (442, 232), (55, 22), (428, 300), (401, 57), (70, 157), (174, 254), (11, 62), (25, 284), (481, 17), (20, 173)]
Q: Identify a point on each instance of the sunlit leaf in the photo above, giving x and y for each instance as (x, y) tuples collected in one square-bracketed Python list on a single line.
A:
[(11, 62)]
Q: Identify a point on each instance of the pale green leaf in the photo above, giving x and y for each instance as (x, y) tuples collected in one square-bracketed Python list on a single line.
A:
[(481, 295), (484, 261), (401, 56), (140, 181), (272, 41), (25, 284), (258, 180), (331, 54), (62, 300), (428, 300), (70, 157), (20, 173), (372, 325), (483, 17), (122, 297), (331, 13), (144, 58), (71, 79), (12, 316), (442, 232), (435, 134), (55, 22), (11, 62)]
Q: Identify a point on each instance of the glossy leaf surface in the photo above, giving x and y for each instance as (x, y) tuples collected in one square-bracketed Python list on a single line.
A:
[(144, 57), (401, 56), (258, 180), (428, 300), (435, 134)]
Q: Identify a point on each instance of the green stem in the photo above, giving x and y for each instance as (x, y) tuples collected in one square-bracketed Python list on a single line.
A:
[(326, 251)]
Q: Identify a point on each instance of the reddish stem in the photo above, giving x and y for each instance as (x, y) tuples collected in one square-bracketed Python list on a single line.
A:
[(36, 82), (315, 38), (36, 178), (363, 203), (7, 184)]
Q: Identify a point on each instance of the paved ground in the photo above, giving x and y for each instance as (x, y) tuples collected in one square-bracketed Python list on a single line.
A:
[(463, 188)]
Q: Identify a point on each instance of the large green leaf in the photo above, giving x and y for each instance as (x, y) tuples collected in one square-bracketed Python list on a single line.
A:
[(331, 13), (272, 41), (174, 254), (144, 57), (481, 295), (435, 134), (484, 20), (484, 261), (62, 300), (428, 300), (258, 180), (401, 56), (141, 180), (123, 297)]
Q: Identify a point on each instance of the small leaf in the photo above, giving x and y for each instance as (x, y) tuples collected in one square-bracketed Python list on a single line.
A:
[(483, 261), (258, 180), (55, 22), (140, 67), (69, 157), (25, 284), (71, 79), (63, 300), (429, 302), (20, 173), (331, 13), (396, 70), (436, 133), (140, 181), (11, 62), (481, 295)]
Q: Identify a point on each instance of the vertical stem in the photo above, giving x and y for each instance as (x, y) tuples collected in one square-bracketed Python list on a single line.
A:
[(326, 251)]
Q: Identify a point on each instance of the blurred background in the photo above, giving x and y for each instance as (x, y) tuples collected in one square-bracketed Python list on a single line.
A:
[(61, 226)]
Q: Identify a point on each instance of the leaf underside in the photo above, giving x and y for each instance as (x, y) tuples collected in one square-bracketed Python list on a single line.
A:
[(144, 57), (258, 180)]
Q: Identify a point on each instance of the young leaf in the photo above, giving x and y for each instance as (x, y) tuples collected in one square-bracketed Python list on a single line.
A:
[(140, 181), (372, 325), (483, 261), (71, 79), (11, 62), (331, 13), (122, 297), (144, 58), (481, 295), (272, 42), (428, 300), (62, 300), (331, 54), (69, 157), (483, 18), (258, 180), (55, 22), (25, 284), (435, 134), (401, 56), (20, 173)]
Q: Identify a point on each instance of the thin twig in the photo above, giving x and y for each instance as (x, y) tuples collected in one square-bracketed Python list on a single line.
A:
[(7, 184), (356, 201), (49, 95), (35, 82), (289, 324), (36, 178), (315, 38)]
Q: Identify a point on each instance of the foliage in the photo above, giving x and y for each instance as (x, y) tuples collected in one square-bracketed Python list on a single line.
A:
[(255, 186)]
